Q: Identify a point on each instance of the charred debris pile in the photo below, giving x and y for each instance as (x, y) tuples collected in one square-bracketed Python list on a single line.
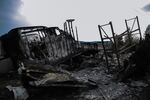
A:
[(48, 63)]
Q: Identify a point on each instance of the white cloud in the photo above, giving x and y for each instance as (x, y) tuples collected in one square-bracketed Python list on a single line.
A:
[(88, 14)]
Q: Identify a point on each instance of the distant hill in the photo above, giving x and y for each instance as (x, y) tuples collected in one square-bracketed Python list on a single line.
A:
[(99, 42)]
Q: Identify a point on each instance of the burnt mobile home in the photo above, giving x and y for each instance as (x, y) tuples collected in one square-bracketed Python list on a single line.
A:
[(36, 44)]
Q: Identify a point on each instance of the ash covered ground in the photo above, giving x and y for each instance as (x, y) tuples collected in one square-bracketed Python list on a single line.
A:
[(109, 88)]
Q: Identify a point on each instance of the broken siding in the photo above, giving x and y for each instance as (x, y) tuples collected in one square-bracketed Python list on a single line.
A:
[(59, 46)]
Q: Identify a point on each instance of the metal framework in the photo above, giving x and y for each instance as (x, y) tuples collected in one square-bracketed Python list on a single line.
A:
[(68, 28), (130, 31), (104, 36)]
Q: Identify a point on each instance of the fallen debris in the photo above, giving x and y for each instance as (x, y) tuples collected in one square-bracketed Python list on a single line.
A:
[(51, 64)]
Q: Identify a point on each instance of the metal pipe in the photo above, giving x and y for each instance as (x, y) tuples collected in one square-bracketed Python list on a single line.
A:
[(128, 31), (99, 27), (139, 28), (77, 37), (104, 25), (116, 50), (72, 30), (130, 19)]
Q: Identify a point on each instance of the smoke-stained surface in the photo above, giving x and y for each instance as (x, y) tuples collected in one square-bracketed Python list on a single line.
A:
[(10, 16), (146, 8)]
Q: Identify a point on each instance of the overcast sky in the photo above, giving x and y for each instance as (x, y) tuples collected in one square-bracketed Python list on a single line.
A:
[(87, 14), (10, 16)]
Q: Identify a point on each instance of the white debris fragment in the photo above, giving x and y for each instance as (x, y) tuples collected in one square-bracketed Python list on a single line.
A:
[(20, 93)]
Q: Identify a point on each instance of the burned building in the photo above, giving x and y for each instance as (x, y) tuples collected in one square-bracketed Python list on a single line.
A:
[(50, 64), (38, 44)]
